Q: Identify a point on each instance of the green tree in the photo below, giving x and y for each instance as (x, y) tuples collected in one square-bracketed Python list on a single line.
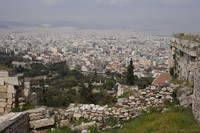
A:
[(86, 94), (130, 74)]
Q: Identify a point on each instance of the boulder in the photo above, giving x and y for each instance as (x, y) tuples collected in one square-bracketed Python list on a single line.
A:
[(168, 97), (153, 88), (186, 101), (77, 116), (64, 123), (151, 98)]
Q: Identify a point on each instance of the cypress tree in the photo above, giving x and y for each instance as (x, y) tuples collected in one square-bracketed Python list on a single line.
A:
[(130, 74)]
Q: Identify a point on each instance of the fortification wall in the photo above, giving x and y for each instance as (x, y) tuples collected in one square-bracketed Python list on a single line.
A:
[(183, 56), (185, 59), (196, 91)]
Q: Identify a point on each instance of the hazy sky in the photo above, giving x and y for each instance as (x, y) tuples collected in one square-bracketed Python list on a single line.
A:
[(170, 15)]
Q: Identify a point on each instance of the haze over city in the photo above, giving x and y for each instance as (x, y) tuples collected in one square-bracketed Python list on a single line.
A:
[(156, 15)]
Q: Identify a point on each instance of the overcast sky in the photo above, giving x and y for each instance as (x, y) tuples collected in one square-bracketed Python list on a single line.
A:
[(170, 15)]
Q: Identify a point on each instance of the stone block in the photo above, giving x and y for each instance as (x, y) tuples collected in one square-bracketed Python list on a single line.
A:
[(1, 110), (4, 74), (77, 116), (9, 95), (9, 101), (3, 104), (27, 85), (3, 95), (11, 80), (11, 89), (2, 100), (33, 98), (3, 89), (1, 81), (42, 123), (8, 109), (34, 117), (26, 92)]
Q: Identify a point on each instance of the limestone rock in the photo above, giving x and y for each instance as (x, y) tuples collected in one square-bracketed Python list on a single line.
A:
[(33, 98), (64, 123), (1, 110), (42, 123), (3, 73), (77, 115), (11, 80), (1, 81), (11, 89), (34, 117), (3, 104), (3, 89), (84, 126)]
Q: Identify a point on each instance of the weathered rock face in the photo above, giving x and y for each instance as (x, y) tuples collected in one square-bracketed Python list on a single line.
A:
[(183, 57)]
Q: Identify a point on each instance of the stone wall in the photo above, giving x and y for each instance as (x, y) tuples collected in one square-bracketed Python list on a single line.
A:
[(34, 120), (14, 123), (125, 108), (187, 64), (41, 118), (8, 92), (183, 57), (14, 92), (196, 91)]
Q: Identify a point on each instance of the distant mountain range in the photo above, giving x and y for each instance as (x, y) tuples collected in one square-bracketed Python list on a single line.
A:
[(10, 24)]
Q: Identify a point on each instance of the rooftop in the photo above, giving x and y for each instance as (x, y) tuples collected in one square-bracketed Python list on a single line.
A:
[(162, 78)]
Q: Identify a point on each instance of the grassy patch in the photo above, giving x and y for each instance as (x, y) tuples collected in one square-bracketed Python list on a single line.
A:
[(126, 94), (111, 121), (176, 81), (24, 108), (79, 122), (62, 130), (178, 119)]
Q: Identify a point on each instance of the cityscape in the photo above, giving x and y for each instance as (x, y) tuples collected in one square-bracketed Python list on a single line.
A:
[(102, 66)]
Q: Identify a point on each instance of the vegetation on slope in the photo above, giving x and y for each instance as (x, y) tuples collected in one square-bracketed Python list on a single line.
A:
[(177, 119)]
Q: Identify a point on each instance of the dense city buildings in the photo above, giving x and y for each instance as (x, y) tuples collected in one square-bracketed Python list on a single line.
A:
[(92, 50)]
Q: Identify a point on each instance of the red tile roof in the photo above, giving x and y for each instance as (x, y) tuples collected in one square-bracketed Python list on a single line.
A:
[(162, 78)]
